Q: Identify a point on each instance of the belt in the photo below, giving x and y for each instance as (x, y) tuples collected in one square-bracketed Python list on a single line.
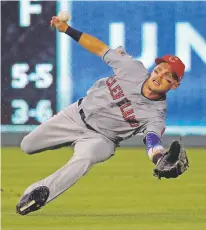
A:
[(82, 115)]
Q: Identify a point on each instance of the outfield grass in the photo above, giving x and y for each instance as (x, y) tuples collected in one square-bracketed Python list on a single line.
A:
[(118, 194)]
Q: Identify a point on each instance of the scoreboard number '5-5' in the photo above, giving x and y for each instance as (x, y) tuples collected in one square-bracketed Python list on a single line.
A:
[(41, 77)]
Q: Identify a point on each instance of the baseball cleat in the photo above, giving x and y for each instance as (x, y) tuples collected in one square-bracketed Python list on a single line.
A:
[(33, 200)]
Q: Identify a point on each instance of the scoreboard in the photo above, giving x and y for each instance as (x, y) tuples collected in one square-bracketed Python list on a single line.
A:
[(32, 68)]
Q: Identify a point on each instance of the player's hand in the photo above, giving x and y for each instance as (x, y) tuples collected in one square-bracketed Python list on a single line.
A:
[(173, 163), (59, 25)]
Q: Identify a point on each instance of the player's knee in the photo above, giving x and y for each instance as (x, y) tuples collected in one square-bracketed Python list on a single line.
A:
[(26, 145), (86, 161)]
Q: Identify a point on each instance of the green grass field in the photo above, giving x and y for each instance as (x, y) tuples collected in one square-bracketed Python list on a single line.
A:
[(115, 195)]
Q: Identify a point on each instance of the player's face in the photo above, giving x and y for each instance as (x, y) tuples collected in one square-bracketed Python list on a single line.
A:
[(161, 79)]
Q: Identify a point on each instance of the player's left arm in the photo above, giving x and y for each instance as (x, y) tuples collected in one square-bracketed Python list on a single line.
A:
[(154, 132), (154, 147), (168, 164)]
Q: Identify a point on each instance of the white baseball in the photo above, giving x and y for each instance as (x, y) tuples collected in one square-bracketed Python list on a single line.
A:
[(63, 16)]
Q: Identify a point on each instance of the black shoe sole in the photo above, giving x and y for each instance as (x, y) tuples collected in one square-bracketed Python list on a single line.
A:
[(33, 200)]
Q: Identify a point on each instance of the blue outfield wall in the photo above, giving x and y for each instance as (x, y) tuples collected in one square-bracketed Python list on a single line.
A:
[(147, 30)]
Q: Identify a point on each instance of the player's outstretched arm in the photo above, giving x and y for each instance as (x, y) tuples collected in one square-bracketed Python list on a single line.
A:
[(90, 43), (154, 147), (170, 164)]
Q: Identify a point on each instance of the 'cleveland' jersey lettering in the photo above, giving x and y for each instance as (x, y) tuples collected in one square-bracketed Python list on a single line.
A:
[(115, 107), (125, 105), (115, 90)]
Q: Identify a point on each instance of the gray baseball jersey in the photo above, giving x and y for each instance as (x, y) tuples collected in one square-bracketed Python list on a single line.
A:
[(115, 106)]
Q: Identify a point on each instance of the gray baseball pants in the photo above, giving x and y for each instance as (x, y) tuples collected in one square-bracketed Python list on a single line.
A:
[(67, 128)]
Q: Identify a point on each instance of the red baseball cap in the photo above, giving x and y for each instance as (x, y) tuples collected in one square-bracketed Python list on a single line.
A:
[(177, 65)]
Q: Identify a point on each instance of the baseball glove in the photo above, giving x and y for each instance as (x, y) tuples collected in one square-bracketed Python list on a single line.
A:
[(173, 163)]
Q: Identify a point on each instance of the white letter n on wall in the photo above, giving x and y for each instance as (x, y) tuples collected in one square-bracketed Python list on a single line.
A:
[(188, 38)]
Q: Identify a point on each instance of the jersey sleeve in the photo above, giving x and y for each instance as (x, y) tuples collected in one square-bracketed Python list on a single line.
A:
[(116, 58), (122, 63), (156, 126)]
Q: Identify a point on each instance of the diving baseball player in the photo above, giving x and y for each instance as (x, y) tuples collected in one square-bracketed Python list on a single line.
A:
[(131, 101)]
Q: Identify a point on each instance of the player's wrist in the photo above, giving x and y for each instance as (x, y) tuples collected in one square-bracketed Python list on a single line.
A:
[(75, 34), (156, 153), (157, 157), (65, 27)]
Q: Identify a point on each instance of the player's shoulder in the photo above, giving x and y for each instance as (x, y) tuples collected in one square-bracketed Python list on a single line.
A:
[(157, 110), (121, 50), (161, 108)]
